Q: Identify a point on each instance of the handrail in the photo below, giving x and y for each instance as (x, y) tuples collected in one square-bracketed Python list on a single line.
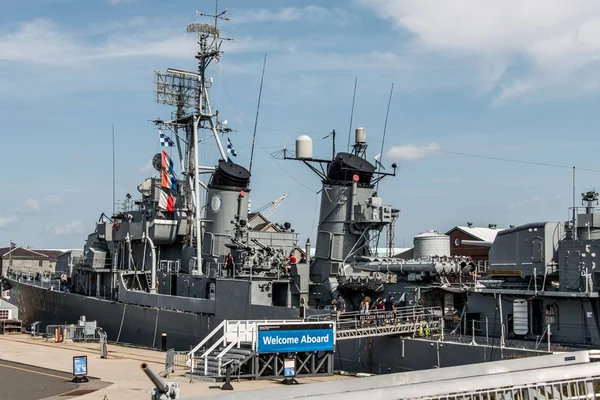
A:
[(207, 338), (215, 345), (413, 311), (233, 343)]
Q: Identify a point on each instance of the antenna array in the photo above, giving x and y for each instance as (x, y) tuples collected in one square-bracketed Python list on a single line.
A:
[(176, 89)]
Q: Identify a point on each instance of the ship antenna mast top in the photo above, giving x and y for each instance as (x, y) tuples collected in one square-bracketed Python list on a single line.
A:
[(217, 16)]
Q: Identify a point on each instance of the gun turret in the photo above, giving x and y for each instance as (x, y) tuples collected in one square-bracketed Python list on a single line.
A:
[(162, 390)]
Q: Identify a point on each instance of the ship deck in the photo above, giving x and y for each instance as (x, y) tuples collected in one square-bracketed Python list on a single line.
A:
[(35, 363)]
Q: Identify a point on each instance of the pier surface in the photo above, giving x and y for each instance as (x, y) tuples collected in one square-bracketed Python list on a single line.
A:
[(32, 368)]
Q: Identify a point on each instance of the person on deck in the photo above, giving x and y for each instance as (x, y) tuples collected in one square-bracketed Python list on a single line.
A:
[(229, 265)]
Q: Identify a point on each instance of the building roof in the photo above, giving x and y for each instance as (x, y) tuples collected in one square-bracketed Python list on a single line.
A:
[(24, 252), (483, 234), (52, 254), (21, 252)]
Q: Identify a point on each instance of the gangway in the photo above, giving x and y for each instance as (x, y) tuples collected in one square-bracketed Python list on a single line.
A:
[(574, 375), (237, 341), (406, 321)]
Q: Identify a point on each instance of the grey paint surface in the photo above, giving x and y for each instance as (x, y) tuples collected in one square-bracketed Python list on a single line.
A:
[(26, 382)]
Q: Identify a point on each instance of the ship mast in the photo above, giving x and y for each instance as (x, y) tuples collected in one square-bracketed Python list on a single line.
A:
[(188, 91)]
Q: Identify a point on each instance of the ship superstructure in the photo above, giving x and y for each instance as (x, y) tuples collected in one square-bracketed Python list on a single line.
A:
[(191, 253)]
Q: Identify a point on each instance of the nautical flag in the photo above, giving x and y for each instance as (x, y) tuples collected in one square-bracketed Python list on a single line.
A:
[(230, 149), (166, 201), (165, 141), (168, 181), (167, 163), (12, 244)]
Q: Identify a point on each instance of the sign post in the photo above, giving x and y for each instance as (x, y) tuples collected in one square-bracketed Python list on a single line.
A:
[(80, 369), (289, 371)]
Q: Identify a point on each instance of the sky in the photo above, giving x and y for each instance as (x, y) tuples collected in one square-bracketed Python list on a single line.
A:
[(474, 86)]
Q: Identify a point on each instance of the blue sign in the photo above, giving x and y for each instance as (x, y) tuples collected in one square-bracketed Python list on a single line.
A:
[(295, 338), (289, 368), (80, 365)]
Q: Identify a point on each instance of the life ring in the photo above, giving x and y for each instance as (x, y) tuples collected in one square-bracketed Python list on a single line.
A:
[(115, 226), (92, 279)]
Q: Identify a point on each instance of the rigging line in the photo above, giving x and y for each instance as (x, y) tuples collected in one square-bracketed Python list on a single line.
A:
[(352, 113), (239, 114), (261, 146), (287, 173), (312, 225), (384, 131), (257, 110), (505, 159)]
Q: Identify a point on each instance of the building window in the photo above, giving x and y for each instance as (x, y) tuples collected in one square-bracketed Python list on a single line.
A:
[(40, 263)]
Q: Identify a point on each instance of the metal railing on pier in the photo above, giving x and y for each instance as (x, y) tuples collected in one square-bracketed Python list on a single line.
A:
[(74, 333)]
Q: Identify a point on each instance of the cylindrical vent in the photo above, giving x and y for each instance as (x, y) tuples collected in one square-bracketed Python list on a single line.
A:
[(361, 135), (431, 243), (230, 175), (304, 148)]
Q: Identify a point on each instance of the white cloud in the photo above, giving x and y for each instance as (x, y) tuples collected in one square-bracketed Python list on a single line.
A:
[(8, 222), (71, 228), (41, 41), (287, 14), (52, 199), (410, 152), (30, 206), (520, 47), (120, 1)]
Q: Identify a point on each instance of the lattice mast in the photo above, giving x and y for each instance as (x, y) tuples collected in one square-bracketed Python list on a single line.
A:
[(391, 233), (188, 91)]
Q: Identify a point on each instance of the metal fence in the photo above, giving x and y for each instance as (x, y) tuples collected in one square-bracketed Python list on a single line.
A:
[(74, 333), (176, 360)]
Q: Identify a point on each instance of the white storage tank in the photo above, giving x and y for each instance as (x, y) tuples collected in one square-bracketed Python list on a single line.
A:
[(431, 243), (520, 317), (361, 135), (304, 148)]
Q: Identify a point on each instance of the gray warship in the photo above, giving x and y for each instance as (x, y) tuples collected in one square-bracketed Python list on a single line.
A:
[(190, 254)]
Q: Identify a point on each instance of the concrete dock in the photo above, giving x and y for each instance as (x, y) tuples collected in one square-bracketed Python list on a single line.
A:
[(35, 367)]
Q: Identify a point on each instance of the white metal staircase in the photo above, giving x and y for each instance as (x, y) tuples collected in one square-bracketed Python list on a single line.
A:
[(236, 344)]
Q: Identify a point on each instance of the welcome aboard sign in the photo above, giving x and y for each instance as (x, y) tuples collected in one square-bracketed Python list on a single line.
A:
[(295, 338)]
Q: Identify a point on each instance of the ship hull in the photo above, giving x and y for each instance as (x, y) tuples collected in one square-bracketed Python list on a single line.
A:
[(123, 323), (144, 326)]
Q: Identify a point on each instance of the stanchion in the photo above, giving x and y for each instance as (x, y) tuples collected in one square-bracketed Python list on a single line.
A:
[(227, 385), (164, 342)]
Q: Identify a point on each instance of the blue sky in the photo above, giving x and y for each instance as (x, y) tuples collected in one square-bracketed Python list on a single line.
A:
[(513, 79)]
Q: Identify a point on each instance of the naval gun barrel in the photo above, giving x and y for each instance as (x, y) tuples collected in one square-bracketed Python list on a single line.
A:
[(413, 266), (161, 386)]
